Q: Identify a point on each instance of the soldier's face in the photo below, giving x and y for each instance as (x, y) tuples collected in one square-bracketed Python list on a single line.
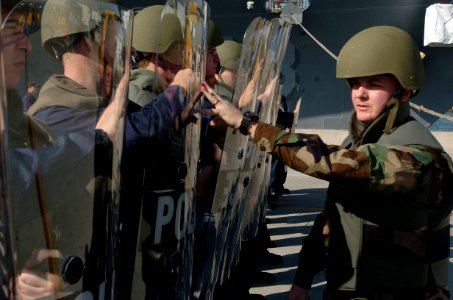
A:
[(171, 62), (212, 60), (370, 95), (15, 48)]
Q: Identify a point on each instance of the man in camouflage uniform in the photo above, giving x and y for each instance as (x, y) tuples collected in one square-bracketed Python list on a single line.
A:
[(384, 232)]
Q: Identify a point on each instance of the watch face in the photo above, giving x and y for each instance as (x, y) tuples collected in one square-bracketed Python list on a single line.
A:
[(244, 128), (252, 116)]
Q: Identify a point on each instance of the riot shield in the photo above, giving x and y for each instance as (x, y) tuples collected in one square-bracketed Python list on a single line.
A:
[(196, 29), (65, 150), (246, 199), (168, 203), (215, 224), (275, 53), (253, 177), (7, 267)]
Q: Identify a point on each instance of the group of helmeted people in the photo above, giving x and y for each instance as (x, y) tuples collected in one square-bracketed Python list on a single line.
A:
[(110, 179), (104, 195)]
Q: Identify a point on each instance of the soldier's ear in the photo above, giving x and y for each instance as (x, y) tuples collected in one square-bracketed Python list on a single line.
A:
[(405, 95), (402, 95)]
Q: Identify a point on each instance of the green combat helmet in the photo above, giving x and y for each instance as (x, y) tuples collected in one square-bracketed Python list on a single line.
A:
[(61, 21), (155, 32), (229, 53), (382, 50), (64, 21), (215, 36)]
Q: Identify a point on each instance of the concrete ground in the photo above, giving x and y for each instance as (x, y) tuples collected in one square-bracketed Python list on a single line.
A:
[(292, 220)]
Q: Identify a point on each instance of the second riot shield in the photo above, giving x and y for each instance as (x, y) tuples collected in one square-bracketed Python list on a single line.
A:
[(164, 264), (256, 202), (7, 245), (216, 223), (252, 178)]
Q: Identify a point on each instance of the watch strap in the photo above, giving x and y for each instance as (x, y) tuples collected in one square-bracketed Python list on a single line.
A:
[(248, 118)]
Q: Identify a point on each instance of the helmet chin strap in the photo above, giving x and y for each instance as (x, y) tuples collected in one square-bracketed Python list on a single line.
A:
[(392, 106)]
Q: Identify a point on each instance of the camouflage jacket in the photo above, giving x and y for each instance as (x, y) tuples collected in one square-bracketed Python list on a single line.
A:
[(385, 222)]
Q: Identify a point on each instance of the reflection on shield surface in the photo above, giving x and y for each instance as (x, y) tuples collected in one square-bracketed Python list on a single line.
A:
[(164, 262), (243, 167), (62, 173)]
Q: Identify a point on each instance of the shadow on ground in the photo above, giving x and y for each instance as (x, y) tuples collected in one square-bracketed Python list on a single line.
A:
[(290, 222)]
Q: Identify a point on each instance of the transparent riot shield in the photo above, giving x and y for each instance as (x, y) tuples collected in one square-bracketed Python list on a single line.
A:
[(65, 144), (278, 41), (216, 223), (235, 214), (166, 246), (7, 267), (253, 178), (196, 28)]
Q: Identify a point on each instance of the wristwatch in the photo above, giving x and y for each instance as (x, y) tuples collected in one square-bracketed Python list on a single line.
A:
[(248, 118)]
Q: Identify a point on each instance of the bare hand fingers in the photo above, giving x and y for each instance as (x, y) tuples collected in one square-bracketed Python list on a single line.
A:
[(34, 284), (210, 94)]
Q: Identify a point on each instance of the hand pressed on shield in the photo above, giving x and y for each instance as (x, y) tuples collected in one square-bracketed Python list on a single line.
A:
[(269, 91), (224, 109), (33, 284), (251, 89), (111, 116), (183, 79)]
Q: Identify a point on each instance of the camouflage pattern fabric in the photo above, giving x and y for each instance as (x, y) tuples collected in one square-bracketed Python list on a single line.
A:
[(378, 165)]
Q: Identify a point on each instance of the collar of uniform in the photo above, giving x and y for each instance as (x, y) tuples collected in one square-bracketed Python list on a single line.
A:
[(362, 134), (148, 80), (24, 129), (60, 90)]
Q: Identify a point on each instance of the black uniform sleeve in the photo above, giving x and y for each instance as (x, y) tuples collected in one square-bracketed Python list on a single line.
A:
[(103, 153), (156, 120)]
